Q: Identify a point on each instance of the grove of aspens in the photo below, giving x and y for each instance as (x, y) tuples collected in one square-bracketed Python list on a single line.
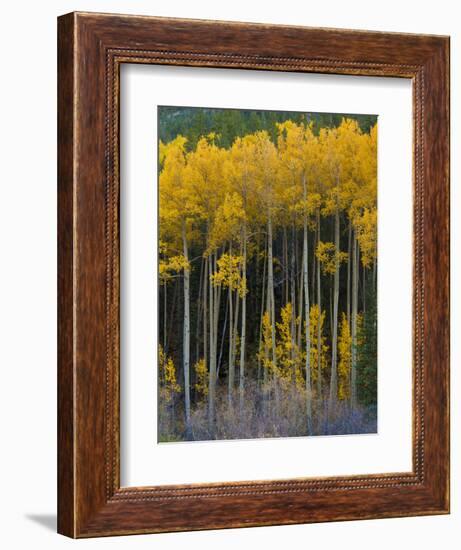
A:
[(267, 274)]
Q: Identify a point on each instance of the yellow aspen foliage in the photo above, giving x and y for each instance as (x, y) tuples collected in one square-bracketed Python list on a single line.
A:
[(345, 358), (240, 175), (340, 149), (229, 218), (329, 257), (289, 360), (362, 209), (179, 209), (367, 163), (237, 344), (162, 247), (298, 162), (314, 320), (360, 335), (168, 267), (201, 377), (203, 175), (168, 384), (366, 230), (265, 161), (229, 274), (266, 343), (162, 152)]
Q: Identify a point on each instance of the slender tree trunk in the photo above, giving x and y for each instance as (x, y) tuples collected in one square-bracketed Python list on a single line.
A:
[(186, 335), (270, 286), (173, 414), (307, 311), (349, 242), (315, 241), (254, 287), (165, 312), (172, 315), (300, 302), (285, 264), (263, 297), (214, 301), (223, 337), (330, 287), (355, 288), (217, 305), (235, 329), (267, 347), (231, 373), (230, 377), (244, 313), (212, 372), (375, 271), (364, 287), (268, 310), (319, 327), (205, 316), (334, 345), (199, 313), (293, 292)]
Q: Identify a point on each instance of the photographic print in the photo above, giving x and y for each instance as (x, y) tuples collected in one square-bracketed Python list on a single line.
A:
[(267, 274)]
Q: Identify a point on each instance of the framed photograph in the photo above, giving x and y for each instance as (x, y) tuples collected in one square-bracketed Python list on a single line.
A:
[(253, 275)]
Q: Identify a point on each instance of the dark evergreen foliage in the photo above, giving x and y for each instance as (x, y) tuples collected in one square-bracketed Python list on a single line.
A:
[(194, 122), (367, 360)]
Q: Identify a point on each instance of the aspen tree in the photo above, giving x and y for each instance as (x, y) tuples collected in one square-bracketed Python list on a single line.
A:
[(204, 174), (177, 212), (295, 143), (265, 159), (240, 171)]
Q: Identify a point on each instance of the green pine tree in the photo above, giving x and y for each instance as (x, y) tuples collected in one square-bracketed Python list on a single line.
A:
[(367, 360)]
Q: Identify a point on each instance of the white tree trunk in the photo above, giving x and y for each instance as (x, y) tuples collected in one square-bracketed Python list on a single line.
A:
[(165, 313), (349, 247), (285, 265), (199, 312), (300, 304), (212, 354), (263, 299), (235, 333), (243, 332), (231, 350), (293, 299), (334, 345), (307, 311), (270, 286), (355, 287), (364, 286), (205, 316), (217, 305), (186, 334), (375, 273), (319, 327)]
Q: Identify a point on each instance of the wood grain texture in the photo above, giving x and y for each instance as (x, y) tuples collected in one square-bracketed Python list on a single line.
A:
[(91, 49), (66, 471)]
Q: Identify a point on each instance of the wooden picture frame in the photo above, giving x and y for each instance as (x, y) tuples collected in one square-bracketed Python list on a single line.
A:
[(92, 48)]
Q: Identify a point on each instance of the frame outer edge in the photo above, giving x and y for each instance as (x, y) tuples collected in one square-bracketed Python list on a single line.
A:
[(66, 524), (85, 508), (438, 236)]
